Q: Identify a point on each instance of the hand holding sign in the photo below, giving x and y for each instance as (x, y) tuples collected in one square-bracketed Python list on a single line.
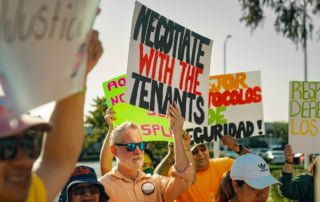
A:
[(288, 153), (94, 51), (176, 120), (109, 117), (230, 142)]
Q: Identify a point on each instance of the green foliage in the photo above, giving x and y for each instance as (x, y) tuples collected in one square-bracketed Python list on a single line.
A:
[(279, 129), (257, 141), (274, 189), (95, 121), (293, 18), (159, 149)]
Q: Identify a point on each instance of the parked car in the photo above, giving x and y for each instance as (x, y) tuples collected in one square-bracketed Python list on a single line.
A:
[(299, 158), (274, 157), (276, 147), (259, 150)]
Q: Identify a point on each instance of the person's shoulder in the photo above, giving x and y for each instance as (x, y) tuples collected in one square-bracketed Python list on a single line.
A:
[(105, 177), (37, 189), (305, 176), (154, 177)]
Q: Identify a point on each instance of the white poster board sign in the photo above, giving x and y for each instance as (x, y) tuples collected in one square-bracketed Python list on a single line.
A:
[(304, 114), (235, 108), (167, 63), (43, 50)]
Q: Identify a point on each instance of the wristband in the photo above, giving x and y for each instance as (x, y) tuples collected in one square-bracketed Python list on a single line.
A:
[(288, 162), (240, 149)]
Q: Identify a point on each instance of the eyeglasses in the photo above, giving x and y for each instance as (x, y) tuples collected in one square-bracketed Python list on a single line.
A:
[(202, 148), (132, 146), (80, 189), (30, 142)]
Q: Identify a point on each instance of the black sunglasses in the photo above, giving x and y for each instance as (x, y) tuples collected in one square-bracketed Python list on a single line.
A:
[(202, 148), (80, 189), (132, 146), (30, 142)]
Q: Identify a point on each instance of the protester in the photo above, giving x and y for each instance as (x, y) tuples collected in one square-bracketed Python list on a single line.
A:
[(83, 186), (20, 146), (163, 168), (248, 180), (106, 156), (301, 187), (126, 182), (209, 172), (147, 166)]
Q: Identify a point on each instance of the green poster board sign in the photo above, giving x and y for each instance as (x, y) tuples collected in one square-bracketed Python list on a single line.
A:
[(154, 126)]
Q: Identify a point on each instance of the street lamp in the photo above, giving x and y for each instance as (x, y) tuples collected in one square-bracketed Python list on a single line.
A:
[(216, 145), (224, 53)]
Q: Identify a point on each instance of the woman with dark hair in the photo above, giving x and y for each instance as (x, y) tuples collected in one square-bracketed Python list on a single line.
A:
[(248, 180), (300, 187)]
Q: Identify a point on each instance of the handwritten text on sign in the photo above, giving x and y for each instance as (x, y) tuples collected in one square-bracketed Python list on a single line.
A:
[(304, 123), (167, 63), (235, 108), (154, 126), (43, 48)]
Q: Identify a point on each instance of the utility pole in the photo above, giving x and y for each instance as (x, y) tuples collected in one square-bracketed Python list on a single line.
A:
[(216, 145)]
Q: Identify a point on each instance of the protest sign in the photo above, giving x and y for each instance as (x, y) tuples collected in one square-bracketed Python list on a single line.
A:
[(235, 108), (304, 124), (167, 63), (154, 127), (43, 50)]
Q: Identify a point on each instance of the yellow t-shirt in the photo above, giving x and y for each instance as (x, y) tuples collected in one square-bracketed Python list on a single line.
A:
[(37, 191), (207, 184)]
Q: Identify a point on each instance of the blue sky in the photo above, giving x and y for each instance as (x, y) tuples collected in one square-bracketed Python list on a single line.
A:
[(276, 57)]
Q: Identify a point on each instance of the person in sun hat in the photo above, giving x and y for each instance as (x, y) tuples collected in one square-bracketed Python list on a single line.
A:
[(21, 179), (83, 186), (209, 172), (248, 180)]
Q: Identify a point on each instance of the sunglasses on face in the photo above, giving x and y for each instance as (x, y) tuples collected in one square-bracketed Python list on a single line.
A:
[(80, 189), (30, 143), (202, 148), (132, 146)]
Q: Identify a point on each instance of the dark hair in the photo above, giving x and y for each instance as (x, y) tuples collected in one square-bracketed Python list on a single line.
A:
[(102, 197), (225, 191)]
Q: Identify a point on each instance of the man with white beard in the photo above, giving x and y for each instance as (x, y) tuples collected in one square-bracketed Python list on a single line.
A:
[(126, 182)]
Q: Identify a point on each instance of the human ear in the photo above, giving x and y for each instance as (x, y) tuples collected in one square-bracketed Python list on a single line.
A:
[(113, 150), (235, 186)]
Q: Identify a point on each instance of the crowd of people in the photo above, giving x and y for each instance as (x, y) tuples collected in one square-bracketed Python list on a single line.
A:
[(185, 174)]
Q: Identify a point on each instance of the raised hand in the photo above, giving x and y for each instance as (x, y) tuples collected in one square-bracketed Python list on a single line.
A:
[(94, 51), (176, 119), (109, 117), (229, 141), (288, 154)]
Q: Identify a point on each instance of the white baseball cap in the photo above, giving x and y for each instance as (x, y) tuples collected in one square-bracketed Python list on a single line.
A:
[(252, 169)]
